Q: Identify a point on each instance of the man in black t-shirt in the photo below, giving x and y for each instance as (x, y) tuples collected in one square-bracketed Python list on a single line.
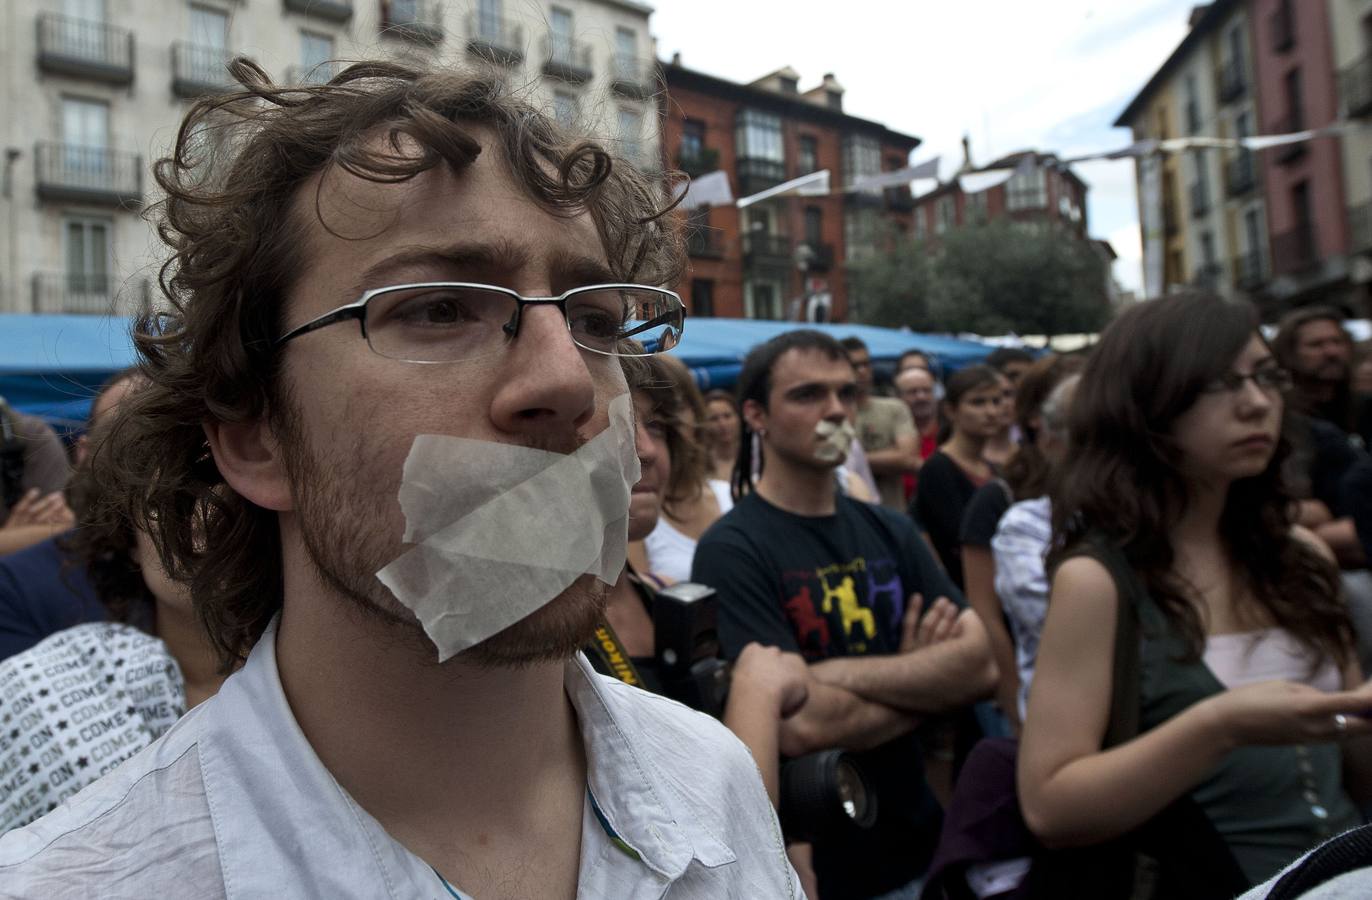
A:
[(802, 568)]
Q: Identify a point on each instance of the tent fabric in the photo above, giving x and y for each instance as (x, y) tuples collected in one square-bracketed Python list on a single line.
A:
[(52, 365), (714, 348)]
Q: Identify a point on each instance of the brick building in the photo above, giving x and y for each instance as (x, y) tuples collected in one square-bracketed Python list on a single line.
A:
[(774, 259), (1041, 190)]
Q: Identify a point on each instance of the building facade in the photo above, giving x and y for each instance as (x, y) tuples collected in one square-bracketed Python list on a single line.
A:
[(1041, 191), (1290, 224), (93, 91), (776, 258)]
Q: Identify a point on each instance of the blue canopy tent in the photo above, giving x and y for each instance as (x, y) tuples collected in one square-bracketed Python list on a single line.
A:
[(51, 365), (714, 348)]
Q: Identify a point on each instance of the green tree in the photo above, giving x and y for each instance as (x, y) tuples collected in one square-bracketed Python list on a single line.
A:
[(986, 279)]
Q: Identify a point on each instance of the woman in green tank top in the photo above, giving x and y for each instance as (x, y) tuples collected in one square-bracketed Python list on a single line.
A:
[(1251, 701)]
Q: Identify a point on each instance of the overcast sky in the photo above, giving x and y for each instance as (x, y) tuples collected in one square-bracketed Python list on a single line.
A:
[(1051, 75)]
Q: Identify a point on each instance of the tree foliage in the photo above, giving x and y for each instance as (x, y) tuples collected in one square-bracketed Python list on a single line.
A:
[(986, 279)]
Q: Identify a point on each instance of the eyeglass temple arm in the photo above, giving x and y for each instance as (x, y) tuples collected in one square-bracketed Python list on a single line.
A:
[(338, 315)]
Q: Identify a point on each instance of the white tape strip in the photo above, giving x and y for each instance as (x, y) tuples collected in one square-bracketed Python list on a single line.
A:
[(501, 530), (835, 440)]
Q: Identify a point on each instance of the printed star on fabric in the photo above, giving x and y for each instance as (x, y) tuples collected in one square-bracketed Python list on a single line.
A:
[(119, 662), (28, 665), (14, 734), (24, 751), (33, 769), (82, 762), (52, 707), (62, 725), (109, 679), (71, 743), (43, 692), (130, 711), (43, 788)]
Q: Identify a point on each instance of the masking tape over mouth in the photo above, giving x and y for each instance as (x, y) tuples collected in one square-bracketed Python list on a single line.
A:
[(835, 440), (500, 530)]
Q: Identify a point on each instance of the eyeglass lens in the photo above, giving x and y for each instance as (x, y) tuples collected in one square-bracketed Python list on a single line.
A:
[(445, 323)]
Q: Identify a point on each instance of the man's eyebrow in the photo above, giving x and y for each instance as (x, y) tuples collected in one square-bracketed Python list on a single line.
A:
[(581, 270), (453, 256)]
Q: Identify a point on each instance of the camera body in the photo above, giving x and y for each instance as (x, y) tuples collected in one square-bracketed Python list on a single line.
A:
[(820, 791)]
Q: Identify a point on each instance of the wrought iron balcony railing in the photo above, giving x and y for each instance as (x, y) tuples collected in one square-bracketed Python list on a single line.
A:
[(85, 48), (77, 174)]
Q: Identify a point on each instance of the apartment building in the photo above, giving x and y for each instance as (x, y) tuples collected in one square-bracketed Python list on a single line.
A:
[(1351, 29), (774, 258), (1041, 191), (92, 92)]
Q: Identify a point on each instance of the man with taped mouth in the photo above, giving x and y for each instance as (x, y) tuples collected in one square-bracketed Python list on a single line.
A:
[(851, 588), (388, 383)]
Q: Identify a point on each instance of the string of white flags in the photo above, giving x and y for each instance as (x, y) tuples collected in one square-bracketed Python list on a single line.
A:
[(712, 189)]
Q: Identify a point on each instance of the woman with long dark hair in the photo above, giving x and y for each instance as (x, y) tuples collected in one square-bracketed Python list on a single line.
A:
[(1172, 511), (949, 478)]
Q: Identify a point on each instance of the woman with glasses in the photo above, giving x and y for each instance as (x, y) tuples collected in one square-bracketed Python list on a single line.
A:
[(1171, 510)]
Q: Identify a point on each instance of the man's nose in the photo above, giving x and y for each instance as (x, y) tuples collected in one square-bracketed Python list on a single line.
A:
[(547, 383)]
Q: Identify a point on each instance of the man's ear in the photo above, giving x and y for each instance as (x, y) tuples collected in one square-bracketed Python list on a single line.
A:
[(250, 458), (755, 416)]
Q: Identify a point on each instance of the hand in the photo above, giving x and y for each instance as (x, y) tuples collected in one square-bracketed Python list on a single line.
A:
[(783, 677), (1283, 712), (34, 509), (939, 624), (802, 859)]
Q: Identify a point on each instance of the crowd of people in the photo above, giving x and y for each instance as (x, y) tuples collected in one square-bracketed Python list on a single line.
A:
[(380, 573)]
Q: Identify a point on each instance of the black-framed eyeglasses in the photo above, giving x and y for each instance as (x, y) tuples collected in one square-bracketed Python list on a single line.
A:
[(449, 321), (1269, 379)]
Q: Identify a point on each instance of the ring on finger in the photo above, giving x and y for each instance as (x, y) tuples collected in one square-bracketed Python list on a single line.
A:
[(1340, 723)]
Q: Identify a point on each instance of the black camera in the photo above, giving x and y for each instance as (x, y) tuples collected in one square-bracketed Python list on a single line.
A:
[(819, 792)]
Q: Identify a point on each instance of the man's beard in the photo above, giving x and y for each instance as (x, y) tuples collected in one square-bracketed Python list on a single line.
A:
[(337, 511)]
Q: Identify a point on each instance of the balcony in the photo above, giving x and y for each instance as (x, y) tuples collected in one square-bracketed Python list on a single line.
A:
[(1294, 251), (1207, 276), (420, 21), (1240, 174), (495, 40), (756, 174), (1291, 123), (761, 249), (198, 70), (1283, 28), (321, 73), (1233, 84), (89, 293), (328, 10), (1360, 227), (697, 164), (819, 258), (566, 60), (899, 199), (1355, 83), (1250, 270), (1200, 200), (85, 49), (74, 174), (705, 243), (633, 78)]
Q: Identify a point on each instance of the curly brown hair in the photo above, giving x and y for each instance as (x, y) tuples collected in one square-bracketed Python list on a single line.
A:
[(1122, 481), (229, 217)]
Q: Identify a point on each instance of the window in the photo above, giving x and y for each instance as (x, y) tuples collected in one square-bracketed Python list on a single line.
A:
[(88, 10), (1252, 231), (560, 24), (1026, 190), (1294, 109), (702, 297), (946, 214), (762, 299), (921, 224), (861, 156), (316, 52), (808, 149), (859, 233), (1207, 242), (626, 53), (1236, 54), (87, 255), (630, 135), (692, 140), (788, 85), (85, 123), (488, 19), (758, 136), (1193, 122), (209, 28), (814, 226), (976, 209), (565, 108)]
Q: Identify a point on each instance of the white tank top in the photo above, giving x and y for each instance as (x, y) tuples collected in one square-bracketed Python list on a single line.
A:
[(1268, 655), (670, 552)]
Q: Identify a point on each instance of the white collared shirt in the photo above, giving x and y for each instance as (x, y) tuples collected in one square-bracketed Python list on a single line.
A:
[(234, 803)]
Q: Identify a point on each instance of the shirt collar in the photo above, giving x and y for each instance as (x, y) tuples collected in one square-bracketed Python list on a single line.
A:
[(278, 811)]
